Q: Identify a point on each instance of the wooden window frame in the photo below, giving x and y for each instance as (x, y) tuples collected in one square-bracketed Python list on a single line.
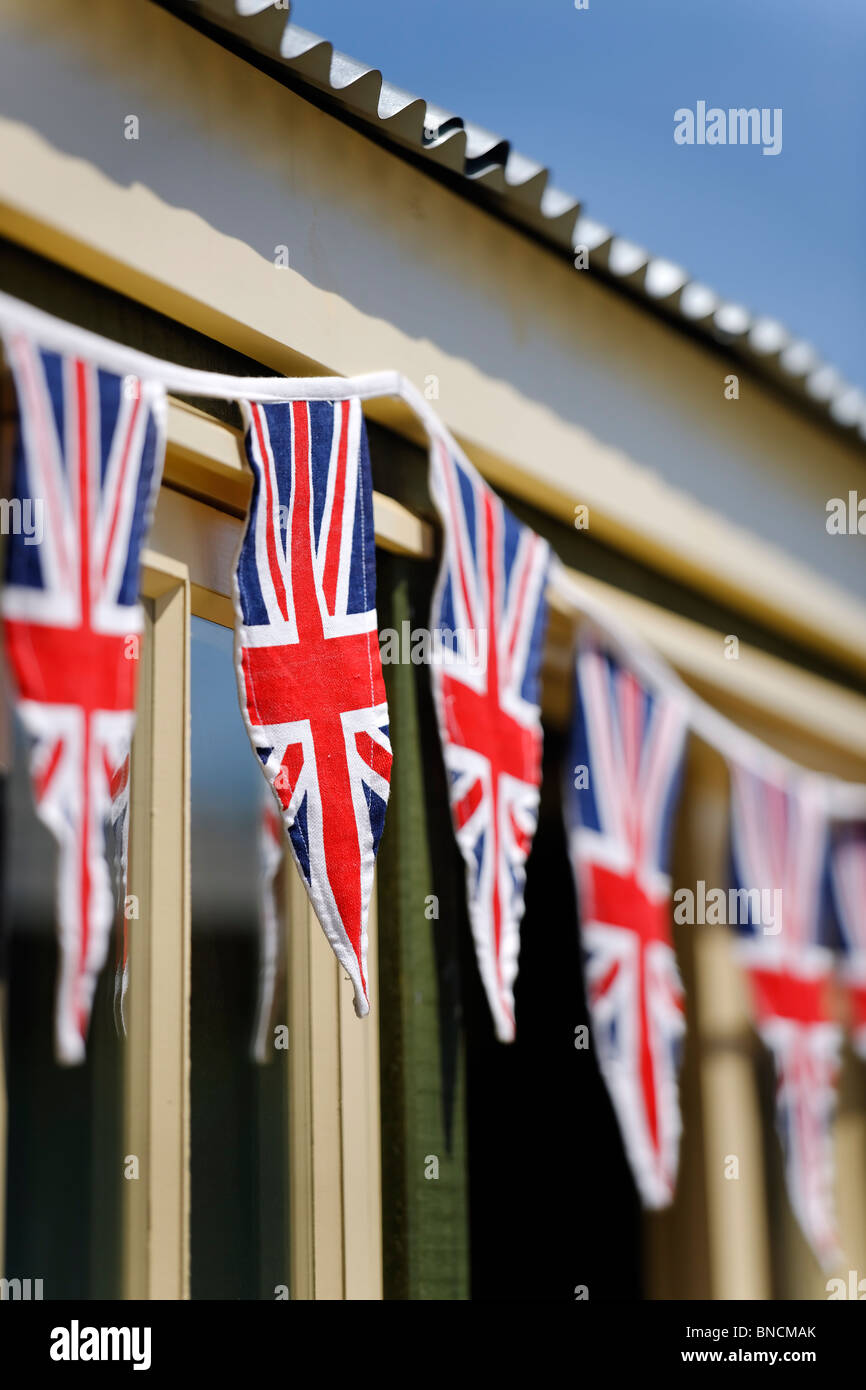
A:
[(156, 1060)]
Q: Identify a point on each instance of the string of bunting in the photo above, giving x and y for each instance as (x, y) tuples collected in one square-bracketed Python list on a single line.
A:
[(313, 701)]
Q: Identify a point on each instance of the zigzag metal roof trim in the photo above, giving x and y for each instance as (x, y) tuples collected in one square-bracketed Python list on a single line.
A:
[(520, 189)]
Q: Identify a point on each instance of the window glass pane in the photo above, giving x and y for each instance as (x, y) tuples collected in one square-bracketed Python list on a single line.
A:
[(239, 1108)]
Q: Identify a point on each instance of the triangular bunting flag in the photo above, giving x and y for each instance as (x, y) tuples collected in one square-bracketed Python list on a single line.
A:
[(487, 624), (307, 655), (779, 845), (86, 475), (620, 797), (118, 859), (271, 846)]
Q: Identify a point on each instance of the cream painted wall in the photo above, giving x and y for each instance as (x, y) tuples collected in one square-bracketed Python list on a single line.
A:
[(632, 409)]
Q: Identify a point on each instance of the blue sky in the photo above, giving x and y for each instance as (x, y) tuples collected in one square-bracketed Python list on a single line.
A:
[(592, 94)]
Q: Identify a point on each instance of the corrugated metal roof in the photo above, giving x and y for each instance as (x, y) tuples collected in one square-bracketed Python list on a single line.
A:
[(520, 189)]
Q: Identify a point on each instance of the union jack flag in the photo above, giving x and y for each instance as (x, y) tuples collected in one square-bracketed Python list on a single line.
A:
[(848, 879), (488, 622), (779, 846), (118, 859), (271, 845), (620, 796), (307, 655), (89, 460)]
